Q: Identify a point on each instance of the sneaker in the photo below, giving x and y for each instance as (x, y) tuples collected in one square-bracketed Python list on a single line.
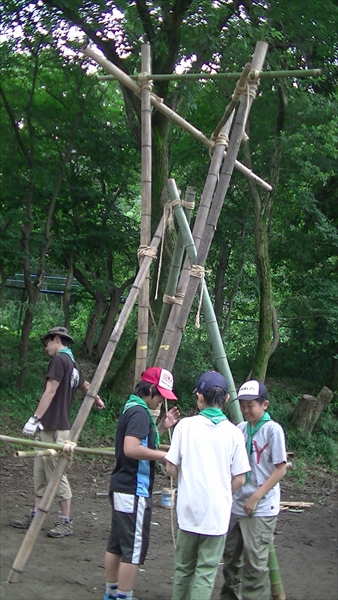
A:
[(110, 597), (61, 528), (25, 522)]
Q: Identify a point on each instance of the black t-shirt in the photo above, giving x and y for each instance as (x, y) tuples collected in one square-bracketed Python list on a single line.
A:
[(68, 374), (133, 476)]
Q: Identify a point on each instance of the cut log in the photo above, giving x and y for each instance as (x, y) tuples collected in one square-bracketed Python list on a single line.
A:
[(309, 409)]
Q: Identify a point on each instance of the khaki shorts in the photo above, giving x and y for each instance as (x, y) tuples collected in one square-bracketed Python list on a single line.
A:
[(44, 465)]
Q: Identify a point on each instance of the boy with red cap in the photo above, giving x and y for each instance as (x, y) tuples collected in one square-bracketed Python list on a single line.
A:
[(208, 455), (136, 450)]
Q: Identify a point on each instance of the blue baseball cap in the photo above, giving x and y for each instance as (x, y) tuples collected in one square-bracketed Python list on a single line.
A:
[(211, 379)]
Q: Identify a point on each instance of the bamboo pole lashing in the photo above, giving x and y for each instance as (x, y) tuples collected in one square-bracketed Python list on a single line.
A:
[(240, 85)]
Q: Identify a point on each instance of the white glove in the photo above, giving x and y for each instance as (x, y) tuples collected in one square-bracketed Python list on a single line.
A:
[(32, 426)]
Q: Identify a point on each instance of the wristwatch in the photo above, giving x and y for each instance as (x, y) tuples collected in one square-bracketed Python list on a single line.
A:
[(36, 418)]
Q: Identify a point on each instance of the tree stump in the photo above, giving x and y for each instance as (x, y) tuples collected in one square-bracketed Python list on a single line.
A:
[(309, 409)]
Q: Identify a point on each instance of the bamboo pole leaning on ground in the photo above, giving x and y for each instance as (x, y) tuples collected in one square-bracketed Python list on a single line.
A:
[(52, 486), (146, 178), (208, 310), (168, 112)]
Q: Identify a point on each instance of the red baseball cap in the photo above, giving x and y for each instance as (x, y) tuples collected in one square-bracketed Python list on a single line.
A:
[(163, 380)]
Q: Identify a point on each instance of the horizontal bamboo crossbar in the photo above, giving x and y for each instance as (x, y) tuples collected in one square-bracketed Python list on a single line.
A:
[(50, 446), (197, 76)]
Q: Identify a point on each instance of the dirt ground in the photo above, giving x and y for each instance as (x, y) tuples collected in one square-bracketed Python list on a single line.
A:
[(72, 568)]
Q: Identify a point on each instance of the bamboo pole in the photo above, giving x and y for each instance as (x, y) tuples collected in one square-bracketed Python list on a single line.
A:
[(174, 272), (216, 206), (51, 446), (33, 453), (196, 76), (48, 445), (277, 589), (208, 310), (234, 100), (52, 486), (168, 112), (146, 177)]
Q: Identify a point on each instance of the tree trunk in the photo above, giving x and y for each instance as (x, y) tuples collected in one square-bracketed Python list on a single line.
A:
[(262, 214), (33, 293), (66, 298), (309, 409), (94, 322), (3, 283), (334, 373), (108, 325)]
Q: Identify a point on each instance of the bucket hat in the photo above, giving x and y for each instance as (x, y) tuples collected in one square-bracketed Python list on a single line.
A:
[(61, 331)]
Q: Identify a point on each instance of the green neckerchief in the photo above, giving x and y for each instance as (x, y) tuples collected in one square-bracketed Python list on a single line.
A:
[(67, 351), (137, 401), (251, 431), (214, 414)]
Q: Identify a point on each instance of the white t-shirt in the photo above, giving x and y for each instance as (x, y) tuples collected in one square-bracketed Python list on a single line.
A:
[(268, 450), (207, 457)]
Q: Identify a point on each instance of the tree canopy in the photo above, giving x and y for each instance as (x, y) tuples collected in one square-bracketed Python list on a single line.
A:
[(70, 191)]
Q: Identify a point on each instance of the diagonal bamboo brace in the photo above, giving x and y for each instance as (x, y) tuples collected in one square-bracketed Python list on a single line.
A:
[(51, 489)]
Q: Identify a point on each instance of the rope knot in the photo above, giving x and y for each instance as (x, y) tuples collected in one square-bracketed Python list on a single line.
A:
[(146, 251), (200, 272)]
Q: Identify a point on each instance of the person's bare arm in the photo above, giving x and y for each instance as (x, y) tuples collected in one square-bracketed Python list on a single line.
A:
[(237, 482), (169, 420), (47, 396), (171, 469), (275, 477), (97, 399), (133, 448)]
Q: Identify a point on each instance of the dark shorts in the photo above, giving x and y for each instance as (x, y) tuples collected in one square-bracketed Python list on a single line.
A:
[(129, 535)]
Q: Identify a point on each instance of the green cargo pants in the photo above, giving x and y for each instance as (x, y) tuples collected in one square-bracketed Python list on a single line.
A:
[(196, 560), (246, 556)]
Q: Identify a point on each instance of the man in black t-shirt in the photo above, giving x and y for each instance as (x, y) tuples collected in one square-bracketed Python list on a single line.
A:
[(51, 423)]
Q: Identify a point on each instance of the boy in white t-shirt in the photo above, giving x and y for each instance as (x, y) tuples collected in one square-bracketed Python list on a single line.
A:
[(255, 505), (208, 456)]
